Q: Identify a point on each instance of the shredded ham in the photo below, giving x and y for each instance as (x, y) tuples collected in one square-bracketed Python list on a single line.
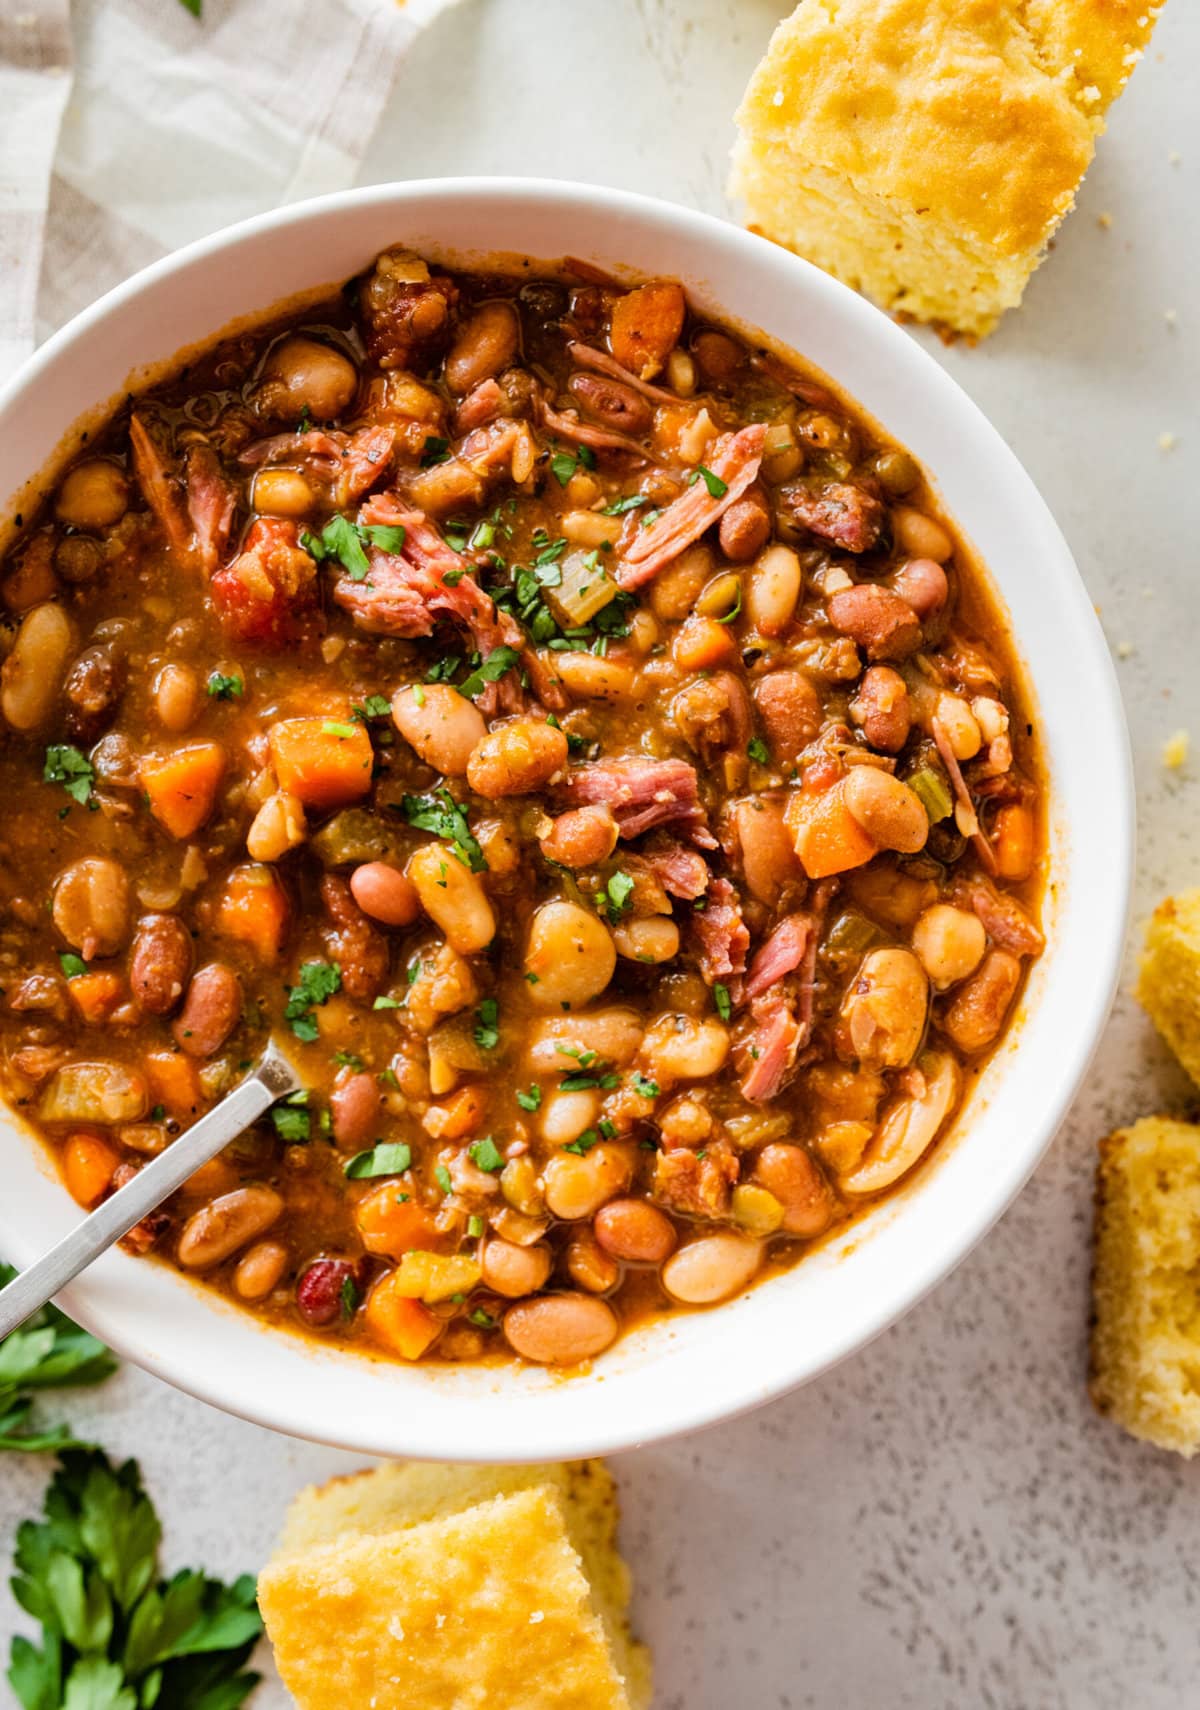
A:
[(600, 362), (735, 461), (774, 1046), (211, 504), (366, 460), (569, 426), (1005, 921), (160, 489), (965, 816), (721, 933), (681, 872), (642, 794), (482, 405), (782, 952)]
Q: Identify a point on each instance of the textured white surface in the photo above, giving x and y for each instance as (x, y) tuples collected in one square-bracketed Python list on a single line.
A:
[(942, 1522)]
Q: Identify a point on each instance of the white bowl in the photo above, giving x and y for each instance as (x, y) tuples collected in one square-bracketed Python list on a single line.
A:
[(679, 1374)]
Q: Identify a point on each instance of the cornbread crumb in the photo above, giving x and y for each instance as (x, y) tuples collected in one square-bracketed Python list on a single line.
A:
[(1167, 442), (1145, 1348), (1104, 221), (924, 151), (1175, 750), (531, 1546), (1124, 649), (1171, 317), (1168, 987)]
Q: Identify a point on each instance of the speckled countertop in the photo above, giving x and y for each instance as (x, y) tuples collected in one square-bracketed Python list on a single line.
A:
[(942, 1522)]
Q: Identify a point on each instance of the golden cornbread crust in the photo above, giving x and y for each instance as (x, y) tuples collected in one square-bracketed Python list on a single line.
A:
[(1168, 986), (925, 150), (1145, 1350), (535, 1546)]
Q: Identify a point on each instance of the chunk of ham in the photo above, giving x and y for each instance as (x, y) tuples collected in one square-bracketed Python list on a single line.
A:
[(721, 933), (781, 954), (366, 459), (642, 794), (160, 487), (846, 516), (695, 1185), (211, 504), (318, 447), (600, 362), (773, 1047), (734, 460), (681, 872), (479, 407), (568, 426), (781, 1008), (965, 816), (1005, 921)]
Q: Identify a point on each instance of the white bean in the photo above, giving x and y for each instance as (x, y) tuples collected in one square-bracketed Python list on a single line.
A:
[(566, 1115), (772, 590), (919, 535), (578, 1186), (570, 953), (454, 897), (32, 675), (655, 939), (442, 725), (711, 1269)]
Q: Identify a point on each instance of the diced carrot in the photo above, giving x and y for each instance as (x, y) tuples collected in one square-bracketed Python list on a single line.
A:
[(1012, 842), (96, 995), (701, 643), (646, 325), (392, 1225), (88, 1163), (458, 1117), (182, 787), (401, 1325), (324, 761), (174, 1083), (828, 838), (254, 910)]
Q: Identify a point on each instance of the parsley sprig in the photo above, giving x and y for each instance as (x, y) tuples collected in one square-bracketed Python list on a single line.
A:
[(47, 1352), (316, 984), (345, 541), (68, 766), (442, 815), (115, 1636)]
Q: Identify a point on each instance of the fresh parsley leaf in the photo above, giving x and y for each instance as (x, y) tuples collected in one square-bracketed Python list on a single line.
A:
[(348, 1297), (115, 1636), (631, 502), (614, 899), (442, 815), (486, 1155), (388, 537), (292, 1121), (487, 1031), (385, 1158), (72, 769), (498, 661), (375, 706), (339, 539), (562, 466), (721, 999), (757, 749), (317, 983), (645, 1088), (196, 8), (49, 1351), (435, 451), (717, 488), (531, 1100), (71, 964), (347, 1060), (224, 688), (583, 1143), (387, 1002)]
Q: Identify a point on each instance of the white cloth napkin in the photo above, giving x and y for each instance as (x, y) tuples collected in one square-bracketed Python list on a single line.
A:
[(174, 126)]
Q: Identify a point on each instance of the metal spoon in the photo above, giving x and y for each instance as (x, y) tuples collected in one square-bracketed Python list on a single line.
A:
[(272, 1079)]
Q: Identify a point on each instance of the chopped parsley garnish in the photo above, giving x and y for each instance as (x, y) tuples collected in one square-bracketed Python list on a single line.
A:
[(564, 463), (608, 1129), (72, 769), (71, 964), (486, 1155), (341, 540), (631, 502), (585, 1059), (342, 731), (442, 671), (734, 609), (580, 1083), (614, 899), (717, 488), (223, 688), (442, 1177), (387, 1003), (583, 1143), (347, 1060), (388, 537), (757, 749), (292, 1120), (483, 1319), (442, 815), (375, 706), (348, 1297), (487, 1031), (721, 999), (317, 983), (385, 1158), (645, 1088), (550, 551), (435, 451), (498, 661), (531, 1100)]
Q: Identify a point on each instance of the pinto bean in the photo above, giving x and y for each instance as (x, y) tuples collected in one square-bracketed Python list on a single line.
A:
[(32, 675), (977, 1013), (211, 1010), (581, 837), (768, 854), (485, 343), (616, 406), (214, 1233), (442, 725), (798, 1183), (92, 691), (576, 1187), (882, 1018), (889, 812), (883, 624), (302, 374), (159, 963), (882, 709), (922, 584), (711, 1268), (745, 527), (516, 758), (635, 1232), (514, 1271), (589, 1266), (355, 1104), (720, 358), (914, 532), (560, 1329), (385, 893), (790, 709), (91, 906), (176, 697), (260, 1269)]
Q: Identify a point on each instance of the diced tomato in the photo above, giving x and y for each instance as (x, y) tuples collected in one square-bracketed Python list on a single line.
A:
[(268, 593)]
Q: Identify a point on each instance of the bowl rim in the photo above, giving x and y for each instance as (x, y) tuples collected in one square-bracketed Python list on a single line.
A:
[(706, 1404)]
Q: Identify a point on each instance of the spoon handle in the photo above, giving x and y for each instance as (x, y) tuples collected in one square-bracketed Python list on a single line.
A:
[(272, 1078)]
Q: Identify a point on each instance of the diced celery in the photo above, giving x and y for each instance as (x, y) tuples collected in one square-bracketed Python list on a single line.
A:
[(934, 793), (586, 588)]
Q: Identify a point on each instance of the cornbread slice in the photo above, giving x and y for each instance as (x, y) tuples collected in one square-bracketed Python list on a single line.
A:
[(526, 1547), (1168, 987), (1146, 1284), (924, 151)]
